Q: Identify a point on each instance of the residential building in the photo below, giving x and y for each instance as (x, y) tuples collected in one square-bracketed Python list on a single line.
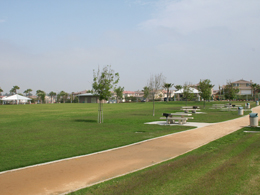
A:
[(243, 86)]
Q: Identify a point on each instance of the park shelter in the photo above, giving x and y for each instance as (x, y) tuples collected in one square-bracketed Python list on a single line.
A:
[(88, 98), (17, 98)]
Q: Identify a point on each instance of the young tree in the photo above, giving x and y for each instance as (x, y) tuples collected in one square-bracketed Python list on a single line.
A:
[(204, 88), (41, 95), (146, 91), (155, 83), (52, 94), (187, 93), (103, 82), (230, 91), (119, 92), (167, 86)]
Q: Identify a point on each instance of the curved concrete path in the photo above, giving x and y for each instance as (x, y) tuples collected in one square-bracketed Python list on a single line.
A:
[(67, 175)]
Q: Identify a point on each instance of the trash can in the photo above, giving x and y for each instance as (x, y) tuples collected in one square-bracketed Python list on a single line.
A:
[(240, 111), (248, 105), (257, 103), (253, 117)]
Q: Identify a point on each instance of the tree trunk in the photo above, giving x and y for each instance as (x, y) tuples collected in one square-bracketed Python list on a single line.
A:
[(153, 106), (100, 112), (167, 95)]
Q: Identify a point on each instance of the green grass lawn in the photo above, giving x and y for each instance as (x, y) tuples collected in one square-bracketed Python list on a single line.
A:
[(32, 134), (230, 165)]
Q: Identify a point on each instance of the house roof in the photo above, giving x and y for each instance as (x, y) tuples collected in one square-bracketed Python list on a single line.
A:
[(80, 92), (243, 81), (127, 92)]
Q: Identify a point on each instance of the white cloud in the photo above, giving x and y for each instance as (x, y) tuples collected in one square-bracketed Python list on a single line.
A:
[(2, 20)]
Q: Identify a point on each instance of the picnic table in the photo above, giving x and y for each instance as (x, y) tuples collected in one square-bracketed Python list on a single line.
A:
[(186, 110), (190, 107), (217, 106), (171, 120), (232, 106)]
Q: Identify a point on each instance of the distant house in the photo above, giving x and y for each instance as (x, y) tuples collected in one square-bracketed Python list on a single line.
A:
[(243, 86), (88, 98)]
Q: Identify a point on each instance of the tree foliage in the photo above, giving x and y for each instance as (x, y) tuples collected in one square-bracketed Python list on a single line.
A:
[(28, 92), (204, 88), (41, 95), (119, 92), (187, 93), (52, 93), (15, 88), (230, 92), (178, 87), (167, 86), (64, 95), (104, 81), (146, 91), (256, 89)]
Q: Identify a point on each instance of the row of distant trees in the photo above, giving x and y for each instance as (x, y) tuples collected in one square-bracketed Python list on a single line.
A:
[(106, 79), (61, 97)]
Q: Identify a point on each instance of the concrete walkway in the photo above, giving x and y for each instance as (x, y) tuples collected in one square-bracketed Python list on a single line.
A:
[(71, 174)]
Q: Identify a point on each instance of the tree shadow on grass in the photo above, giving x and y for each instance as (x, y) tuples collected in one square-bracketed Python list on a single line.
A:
[(86, 120)]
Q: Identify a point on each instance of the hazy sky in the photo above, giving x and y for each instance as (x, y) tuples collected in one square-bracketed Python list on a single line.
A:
[(54, 45)]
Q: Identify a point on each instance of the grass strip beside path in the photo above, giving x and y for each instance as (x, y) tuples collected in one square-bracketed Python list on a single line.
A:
[(229, 165)]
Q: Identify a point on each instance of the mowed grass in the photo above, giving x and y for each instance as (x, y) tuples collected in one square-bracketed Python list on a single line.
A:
[(230, 165), (32, 134)]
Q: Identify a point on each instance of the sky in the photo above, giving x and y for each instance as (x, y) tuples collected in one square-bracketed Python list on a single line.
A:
[(55, 45)]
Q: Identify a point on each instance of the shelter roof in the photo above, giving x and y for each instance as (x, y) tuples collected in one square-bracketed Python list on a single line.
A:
[(15, 97), (192, 90), (87, 94)]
